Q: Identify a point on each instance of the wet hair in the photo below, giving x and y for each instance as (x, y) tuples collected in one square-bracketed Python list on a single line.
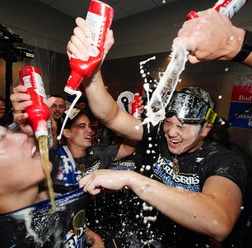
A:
[(86, 112), (219, 134)]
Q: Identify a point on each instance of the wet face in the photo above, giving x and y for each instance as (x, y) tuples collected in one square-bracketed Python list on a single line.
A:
[(58, 108), (20, 163), (81, 132), (183, 138), (2, 108)]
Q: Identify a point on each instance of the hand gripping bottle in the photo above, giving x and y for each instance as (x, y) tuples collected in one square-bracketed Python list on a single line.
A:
[(38, 112), (135, 108), (99, 18), (226, 7)]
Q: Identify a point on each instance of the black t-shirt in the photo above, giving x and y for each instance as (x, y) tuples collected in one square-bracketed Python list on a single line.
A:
[(67, 170), (148, 227)]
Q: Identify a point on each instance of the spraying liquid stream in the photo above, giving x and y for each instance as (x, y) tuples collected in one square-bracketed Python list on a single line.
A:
[(163, 93), (43, 149), (78, 95), (166, 86)]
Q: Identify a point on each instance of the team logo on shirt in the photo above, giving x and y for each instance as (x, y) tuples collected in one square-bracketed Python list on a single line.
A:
[(163, 170), (77, 236)]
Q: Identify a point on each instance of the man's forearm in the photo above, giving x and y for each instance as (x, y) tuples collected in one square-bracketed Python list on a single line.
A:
[(100, 101)]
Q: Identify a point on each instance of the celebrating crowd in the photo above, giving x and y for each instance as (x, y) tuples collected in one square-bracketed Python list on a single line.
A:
[(191, 191)]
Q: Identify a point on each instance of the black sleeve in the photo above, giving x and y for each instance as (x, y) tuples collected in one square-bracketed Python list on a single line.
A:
[(227, 164), (107, 154)]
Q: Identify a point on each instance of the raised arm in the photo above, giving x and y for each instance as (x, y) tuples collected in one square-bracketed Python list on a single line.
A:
[(100, 101), (212, 36)]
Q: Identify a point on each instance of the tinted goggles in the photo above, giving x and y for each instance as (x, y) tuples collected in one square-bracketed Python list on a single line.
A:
[(190, 109)]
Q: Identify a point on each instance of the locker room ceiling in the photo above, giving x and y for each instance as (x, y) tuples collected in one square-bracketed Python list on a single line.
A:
[(123, 8)]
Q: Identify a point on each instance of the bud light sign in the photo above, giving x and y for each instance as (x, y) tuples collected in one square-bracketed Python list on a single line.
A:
[(240, 112)]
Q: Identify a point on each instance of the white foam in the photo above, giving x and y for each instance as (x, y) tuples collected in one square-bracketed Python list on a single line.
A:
[(78, 95), (162, 95)]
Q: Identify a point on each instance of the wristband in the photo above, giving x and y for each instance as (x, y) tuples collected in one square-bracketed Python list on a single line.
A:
[(246, 48)]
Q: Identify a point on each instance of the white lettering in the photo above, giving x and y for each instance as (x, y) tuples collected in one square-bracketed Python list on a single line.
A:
[(245, 98), (67, 168)]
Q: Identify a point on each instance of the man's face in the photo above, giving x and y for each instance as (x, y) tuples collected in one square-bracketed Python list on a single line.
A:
[(81, 132), (58, 108), (20, 163), (183, 138)]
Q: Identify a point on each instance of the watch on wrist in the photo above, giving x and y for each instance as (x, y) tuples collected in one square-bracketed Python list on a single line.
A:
[(246, 48)]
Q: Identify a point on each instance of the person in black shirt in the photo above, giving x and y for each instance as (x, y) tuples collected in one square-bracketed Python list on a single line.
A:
[(70, 162), (191, 183), (77, 156), (195, 180)]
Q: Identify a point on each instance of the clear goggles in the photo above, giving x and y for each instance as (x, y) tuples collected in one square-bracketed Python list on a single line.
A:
[(190, 109)]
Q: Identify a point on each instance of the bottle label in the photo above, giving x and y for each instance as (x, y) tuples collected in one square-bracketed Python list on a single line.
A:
[(229, 7), (137, 114), (38, 86), (95, 23)]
